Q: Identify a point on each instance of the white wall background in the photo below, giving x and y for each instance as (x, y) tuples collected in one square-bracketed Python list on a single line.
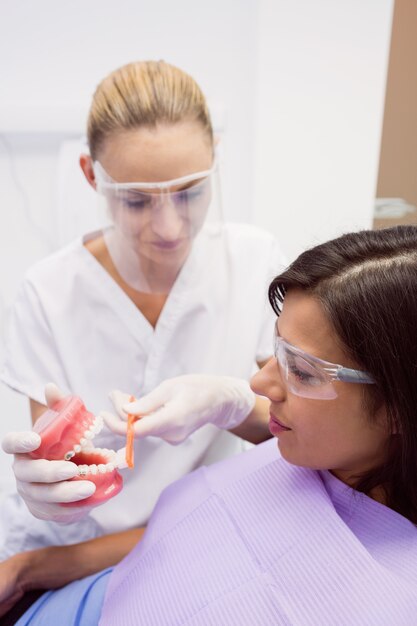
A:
[(296, 88), (322, 69)]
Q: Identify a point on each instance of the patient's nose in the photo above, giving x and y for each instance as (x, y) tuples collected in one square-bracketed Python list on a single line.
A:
[(268, 382)]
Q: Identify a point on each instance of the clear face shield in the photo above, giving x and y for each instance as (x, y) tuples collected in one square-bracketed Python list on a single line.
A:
[(310, 377), (153, 225)]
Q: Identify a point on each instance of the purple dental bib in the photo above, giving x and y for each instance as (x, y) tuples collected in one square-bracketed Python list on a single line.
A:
[(255, 541)]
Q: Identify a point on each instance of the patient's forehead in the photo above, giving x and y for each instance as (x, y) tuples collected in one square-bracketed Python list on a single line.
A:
[(304, 323)]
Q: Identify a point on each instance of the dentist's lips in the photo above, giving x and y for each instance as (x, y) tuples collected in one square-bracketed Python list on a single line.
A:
[(66, 433), (275, 426), (168, 245)]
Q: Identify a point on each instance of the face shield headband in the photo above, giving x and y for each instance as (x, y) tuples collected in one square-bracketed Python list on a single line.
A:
[(105, 182)]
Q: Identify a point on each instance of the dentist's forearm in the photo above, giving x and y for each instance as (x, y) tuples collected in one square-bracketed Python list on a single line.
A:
[(56, 566)]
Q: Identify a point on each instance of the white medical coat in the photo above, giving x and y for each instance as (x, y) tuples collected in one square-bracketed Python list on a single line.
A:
[(73, 325)]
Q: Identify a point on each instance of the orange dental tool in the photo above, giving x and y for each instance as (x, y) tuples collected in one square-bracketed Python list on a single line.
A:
[(130, 435)]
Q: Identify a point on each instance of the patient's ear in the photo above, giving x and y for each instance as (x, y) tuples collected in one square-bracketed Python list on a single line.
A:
[(86, 164)]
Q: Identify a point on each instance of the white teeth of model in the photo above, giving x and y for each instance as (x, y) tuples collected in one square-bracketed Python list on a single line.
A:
[(119, 459), (88, 434), (110, 467), (83, 442), (77, 448), (105, 453), (83, 470), (102, 468), (93, 469), (68, 455)]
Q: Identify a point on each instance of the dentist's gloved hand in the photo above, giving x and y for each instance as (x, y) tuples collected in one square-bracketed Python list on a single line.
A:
[(43, 484), (179, 406)]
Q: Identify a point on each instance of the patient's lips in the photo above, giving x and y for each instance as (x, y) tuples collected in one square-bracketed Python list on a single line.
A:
[(67, 431)]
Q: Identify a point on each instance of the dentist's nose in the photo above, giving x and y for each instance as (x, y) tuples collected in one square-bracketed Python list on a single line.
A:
[(167, 223), (268, 382)]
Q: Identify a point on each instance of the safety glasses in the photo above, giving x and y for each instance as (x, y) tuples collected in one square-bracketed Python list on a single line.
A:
[(310, 377)]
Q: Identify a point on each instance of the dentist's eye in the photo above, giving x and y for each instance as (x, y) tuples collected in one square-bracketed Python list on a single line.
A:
[(137, 202), (182, 197), (188, 195), (137, 205)]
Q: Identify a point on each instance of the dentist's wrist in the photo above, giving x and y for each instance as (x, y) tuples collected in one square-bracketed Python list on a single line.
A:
[(24, 564), (45, 568)]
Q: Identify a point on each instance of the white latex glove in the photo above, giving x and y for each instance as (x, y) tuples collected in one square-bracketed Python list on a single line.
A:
[(179, 406), (43, 484)]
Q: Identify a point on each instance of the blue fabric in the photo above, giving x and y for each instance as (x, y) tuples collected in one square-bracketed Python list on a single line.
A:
[(77, 604)]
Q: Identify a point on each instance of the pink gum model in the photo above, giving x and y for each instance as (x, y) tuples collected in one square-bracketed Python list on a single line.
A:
[(66, 432)]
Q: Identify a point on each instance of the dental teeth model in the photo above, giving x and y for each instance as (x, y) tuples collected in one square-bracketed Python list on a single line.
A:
[(67, 431)]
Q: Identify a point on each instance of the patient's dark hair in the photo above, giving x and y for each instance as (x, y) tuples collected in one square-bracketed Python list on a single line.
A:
[(367, 285)]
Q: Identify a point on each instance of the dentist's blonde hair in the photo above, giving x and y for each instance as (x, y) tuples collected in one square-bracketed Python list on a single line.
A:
[(145, 94)]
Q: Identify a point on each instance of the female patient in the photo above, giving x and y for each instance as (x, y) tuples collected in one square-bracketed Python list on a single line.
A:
[(321, 531)]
